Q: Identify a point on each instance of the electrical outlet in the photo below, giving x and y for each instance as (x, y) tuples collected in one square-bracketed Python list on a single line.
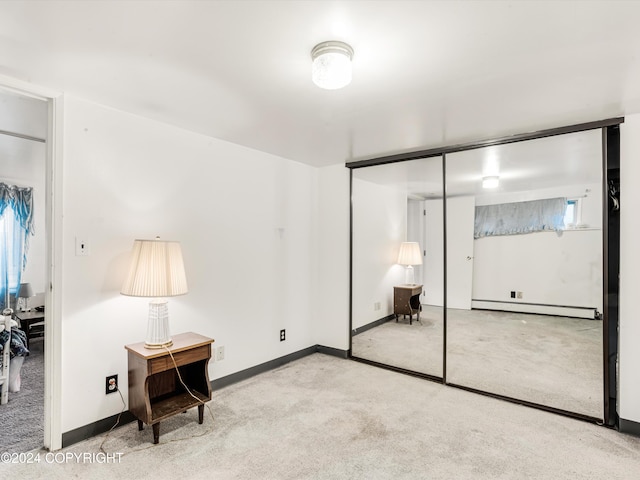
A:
[(219, 354), (513, 294), (376, 306), (111, 384), (283, 335), (519, 294)]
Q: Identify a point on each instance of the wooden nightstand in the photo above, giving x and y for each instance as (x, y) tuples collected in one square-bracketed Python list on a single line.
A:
[(406, 301), (155, 391)]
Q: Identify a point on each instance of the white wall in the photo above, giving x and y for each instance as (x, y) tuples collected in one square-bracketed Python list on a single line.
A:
[(546, 268), (331, 307), (629, 349), (379, 226), (245, 220), (549, 269)]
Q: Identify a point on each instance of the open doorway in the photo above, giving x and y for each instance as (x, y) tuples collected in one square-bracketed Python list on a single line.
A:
[(23, 173)]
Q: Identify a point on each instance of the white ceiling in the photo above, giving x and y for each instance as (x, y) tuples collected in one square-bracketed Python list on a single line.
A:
[(426, 73)]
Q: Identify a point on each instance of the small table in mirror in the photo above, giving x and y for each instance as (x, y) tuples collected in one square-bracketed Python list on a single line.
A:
[(406, 301)]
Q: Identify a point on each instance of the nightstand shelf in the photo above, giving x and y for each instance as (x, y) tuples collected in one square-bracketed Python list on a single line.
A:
[(155, 390), (166, 407)]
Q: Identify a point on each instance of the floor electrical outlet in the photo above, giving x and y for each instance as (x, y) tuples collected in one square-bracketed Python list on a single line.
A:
[(111, 384), (283, 335)]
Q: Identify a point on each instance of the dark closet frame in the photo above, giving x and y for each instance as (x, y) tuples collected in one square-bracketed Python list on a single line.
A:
[(610, 255)]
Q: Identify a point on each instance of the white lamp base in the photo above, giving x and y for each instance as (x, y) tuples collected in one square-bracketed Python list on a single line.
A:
[(158, 335), (409, 277)]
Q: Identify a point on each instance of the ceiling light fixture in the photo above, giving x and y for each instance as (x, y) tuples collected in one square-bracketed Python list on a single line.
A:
[(490, 182), (331, 67)]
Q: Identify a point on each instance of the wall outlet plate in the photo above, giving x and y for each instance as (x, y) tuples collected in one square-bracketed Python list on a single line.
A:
[(283, 335), (111, 384), (219, 353)]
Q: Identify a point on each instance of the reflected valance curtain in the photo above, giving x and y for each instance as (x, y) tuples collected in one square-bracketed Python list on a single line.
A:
[(520, 217), (16, 222)]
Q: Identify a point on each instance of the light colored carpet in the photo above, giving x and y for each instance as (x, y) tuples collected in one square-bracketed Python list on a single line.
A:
[(417, 347), (22, 418), (326, 418), (553, 361)]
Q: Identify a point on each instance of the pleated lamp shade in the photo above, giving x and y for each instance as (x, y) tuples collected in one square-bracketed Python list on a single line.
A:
[(409, 254), (157, 271)]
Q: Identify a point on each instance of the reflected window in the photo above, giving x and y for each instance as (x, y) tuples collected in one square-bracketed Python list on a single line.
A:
[(520, 217), (571, 216)]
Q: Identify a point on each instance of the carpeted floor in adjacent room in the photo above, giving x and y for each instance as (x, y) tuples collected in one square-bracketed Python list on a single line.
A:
[(22, 418)]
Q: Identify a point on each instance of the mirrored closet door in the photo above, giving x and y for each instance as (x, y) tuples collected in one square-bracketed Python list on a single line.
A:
[(524, 271), (398, 265), (493, 266)]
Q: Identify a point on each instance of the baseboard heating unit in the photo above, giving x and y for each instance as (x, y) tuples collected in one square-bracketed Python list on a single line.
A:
[(520, 307)]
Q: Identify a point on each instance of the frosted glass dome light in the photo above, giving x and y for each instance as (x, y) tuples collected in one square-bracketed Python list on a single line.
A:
[(490, 182), (331, 68)]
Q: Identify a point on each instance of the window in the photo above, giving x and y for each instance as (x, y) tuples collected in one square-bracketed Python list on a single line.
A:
[(10, 271), (572, 214), (520, 217), (16, 225)]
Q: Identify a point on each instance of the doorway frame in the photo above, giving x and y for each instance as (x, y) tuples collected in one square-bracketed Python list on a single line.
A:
[(53, 226)]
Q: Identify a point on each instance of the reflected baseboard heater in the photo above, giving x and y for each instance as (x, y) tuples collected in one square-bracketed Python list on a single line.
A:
[(542, 309)]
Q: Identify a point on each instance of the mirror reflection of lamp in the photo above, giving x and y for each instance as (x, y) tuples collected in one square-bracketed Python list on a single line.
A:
[(409, 256)]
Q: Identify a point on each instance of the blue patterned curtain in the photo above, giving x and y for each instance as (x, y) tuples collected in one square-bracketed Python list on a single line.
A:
[(520, 217), (16, 224)]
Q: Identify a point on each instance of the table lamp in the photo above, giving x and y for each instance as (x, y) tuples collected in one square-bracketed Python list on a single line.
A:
[(409, 256), (24, 293), (156, 271)]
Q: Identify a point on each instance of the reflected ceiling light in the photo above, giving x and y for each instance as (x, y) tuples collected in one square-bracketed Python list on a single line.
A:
[(490, 182), (331, 68)]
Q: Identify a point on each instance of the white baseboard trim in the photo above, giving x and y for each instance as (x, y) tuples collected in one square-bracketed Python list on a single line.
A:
[(577, 312)]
